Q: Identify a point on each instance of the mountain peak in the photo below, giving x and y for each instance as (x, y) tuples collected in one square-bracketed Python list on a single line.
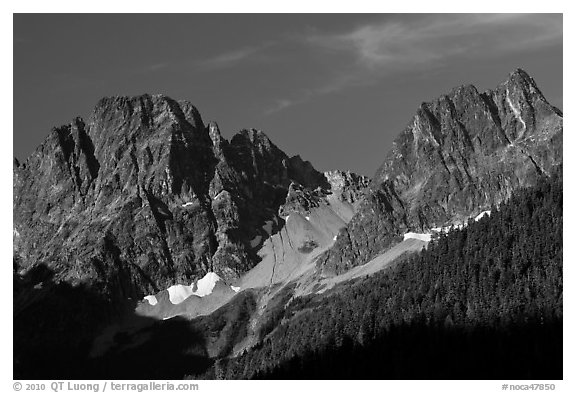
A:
[(257, 140), (520, 79), (254, 135), (462, 89), (462, 153), (144, 176), (144, 108), (519, 73)]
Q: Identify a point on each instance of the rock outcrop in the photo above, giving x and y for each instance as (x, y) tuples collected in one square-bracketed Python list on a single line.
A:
[(460, 154)]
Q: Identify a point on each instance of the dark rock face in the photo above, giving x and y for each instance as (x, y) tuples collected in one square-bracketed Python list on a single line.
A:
[(144, 195), (461, 154)]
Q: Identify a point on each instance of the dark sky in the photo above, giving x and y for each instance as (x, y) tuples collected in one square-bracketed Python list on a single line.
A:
[(335, 89)]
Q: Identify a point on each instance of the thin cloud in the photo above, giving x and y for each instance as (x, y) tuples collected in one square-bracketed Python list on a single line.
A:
[(232, 57), (228, 58), (156, 67), (146, 69), (334, 85), (280, 105), (221, 60), (432, 39)]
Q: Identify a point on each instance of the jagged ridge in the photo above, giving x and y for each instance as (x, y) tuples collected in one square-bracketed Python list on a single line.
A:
[(459, 155), (145, 195)]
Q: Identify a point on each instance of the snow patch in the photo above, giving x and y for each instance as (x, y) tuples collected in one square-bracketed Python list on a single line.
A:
[(188, 204), (204, 286), (235, 289), (426, 237), (334, 238), (256, 241), (451, 227), (308, 218), (481, 215), (179, 293), (151, 299)]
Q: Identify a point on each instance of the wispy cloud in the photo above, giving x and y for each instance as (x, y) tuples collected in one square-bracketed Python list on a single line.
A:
[(280, 105), (149, 68), (434, 38), (216, 61), (156, 66), (333, 85), (232, 57), (228, 58)]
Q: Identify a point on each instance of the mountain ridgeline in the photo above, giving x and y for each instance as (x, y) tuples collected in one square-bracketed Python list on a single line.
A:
[(144, 195), (460, 154), (141, 234)]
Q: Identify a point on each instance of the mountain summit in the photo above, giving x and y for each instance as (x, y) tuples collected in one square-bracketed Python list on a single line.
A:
[(144, 195), (460, 154)]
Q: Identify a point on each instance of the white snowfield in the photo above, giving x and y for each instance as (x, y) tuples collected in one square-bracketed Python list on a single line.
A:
[(188, 204), (204, 286), (481, 215), (426, 237), (151, 300), (179, 293), (235, 289)]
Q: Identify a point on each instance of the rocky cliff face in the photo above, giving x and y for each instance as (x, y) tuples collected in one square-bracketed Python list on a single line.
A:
[(144, 195), (459, 155)]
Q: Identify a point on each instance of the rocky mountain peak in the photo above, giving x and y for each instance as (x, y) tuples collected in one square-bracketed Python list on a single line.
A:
[(520, 78), (143, 195), (460, 154), (257, 139)]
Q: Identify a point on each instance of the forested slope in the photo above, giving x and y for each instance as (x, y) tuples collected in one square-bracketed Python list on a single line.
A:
[(483, 302)]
